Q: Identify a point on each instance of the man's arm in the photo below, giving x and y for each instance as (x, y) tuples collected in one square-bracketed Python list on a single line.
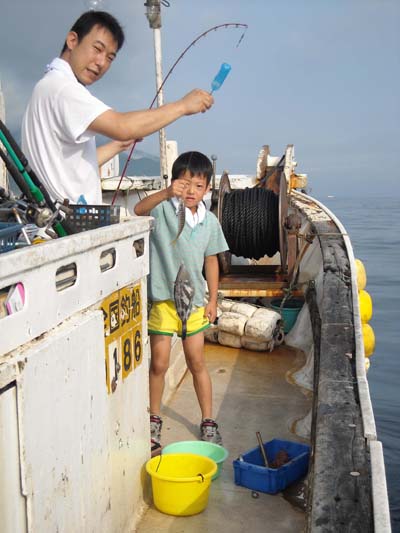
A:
[(107, 151), (212, 276), (138, 124)]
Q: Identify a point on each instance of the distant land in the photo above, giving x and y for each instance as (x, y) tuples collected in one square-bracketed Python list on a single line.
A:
[(141, 164)]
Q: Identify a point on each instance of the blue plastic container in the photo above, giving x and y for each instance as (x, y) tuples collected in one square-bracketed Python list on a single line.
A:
[(291, 308), (252, 474), (9, 232)]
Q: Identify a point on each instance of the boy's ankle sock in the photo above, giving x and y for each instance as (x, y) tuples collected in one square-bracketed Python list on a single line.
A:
[(155, 433)]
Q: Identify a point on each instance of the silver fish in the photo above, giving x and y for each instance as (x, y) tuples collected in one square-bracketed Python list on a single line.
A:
[(183, 296), (181, 219)]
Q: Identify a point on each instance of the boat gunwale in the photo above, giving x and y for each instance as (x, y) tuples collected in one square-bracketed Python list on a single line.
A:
[(379, 497)]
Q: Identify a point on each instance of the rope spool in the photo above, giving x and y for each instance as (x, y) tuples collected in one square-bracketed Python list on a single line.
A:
[(250, 221)]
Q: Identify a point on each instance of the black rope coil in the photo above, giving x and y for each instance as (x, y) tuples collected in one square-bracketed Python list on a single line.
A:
[(250, 222)]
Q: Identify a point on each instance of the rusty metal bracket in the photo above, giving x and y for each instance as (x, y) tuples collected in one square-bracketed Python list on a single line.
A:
[(224, 188)]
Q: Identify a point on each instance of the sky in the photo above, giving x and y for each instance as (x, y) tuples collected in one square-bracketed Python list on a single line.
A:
[(323, 75)]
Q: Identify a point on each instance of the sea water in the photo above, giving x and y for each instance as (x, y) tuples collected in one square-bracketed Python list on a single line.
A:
[(373, 225)]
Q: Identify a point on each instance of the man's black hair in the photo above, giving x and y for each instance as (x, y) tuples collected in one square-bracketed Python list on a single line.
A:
[(195, 162), (89, 19)]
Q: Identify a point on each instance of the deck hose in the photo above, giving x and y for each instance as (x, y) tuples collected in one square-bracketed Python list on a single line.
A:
[(250, 222)]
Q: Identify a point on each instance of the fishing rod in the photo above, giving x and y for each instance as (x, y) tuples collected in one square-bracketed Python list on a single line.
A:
[(16, 174), (28, 188), (45, 211), (36, 187), (222, 73)]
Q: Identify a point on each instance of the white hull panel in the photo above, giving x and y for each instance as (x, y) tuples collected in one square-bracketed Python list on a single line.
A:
[(73, 402)]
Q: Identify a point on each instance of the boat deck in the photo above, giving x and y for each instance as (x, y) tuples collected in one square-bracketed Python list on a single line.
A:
[(252, 392)]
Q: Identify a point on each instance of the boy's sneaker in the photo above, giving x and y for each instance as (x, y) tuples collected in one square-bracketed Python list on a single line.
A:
[(209, 431), (155, 434)]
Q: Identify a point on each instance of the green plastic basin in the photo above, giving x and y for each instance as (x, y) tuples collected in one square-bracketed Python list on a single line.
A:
[(199, 447)]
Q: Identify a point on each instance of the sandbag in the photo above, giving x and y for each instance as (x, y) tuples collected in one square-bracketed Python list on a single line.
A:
[(244, 309), (267, 313), (228, 339), (232, 323), (225, 305), (257, 345), (262, 327)]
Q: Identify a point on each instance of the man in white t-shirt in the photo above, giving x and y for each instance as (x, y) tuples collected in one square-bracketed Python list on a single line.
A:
[(63, 117)]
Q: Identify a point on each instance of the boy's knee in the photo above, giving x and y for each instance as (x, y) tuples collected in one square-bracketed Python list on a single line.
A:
[(196, 367), (158, 369)]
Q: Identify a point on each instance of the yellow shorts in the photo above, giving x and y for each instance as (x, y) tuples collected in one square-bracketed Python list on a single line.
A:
[(164, 320)]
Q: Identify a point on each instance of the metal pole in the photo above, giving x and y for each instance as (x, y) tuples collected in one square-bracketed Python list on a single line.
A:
[(153, 14), (160, 100)]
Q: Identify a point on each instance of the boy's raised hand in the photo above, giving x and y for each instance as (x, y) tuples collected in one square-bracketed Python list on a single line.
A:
[(148, 203), (178, 187)]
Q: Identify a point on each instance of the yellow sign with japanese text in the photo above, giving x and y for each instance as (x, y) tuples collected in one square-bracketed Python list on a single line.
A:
[(122, 312)]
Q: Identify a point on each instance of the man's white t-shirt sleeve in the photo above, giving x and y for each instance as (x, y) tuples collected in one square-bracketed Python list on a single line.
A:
[(76, 110)]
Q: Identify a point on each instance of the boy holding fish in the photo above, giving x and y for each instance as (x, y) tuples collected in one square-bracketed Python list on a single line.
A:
[(186, 238)]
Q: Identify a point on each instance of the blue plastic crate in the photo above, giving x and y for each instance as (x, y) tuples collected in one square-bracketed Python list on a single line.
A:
[(252, 473), (83, 217), (9, 232)]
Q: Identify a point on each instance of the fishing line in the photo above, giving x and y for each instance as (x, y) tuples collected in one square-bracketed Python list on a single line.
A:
[(214, 28)]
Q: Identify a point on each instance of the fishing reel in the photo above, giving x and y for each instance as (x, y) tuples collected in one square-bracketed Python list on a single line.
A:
[(20, 211)]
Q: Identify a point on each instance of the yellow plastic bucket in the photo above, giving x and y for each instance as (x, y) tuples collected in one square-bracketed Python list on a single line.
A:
[(181, 482)]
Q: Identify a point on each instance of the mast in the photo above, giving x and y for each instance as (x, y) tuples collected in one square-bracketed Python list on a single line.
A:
[(153, 14)]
